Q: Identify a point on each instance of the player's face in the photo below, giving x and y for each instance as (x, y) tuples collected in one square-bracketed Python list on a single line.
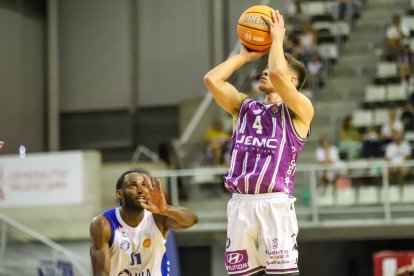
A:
[(266, 86), (264, 83), (133, 189)]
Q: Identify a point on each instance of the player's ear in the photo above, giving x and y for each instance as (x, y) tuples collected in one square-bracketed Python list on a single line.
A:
[(118, 194)]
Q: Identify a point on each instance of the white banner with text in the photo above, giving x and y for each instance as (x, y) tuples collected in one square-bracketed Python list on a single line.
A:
[(47, 179)]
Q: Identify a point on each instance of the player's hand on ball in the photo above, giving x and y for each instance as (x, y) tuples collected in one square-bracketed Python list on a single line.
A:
[(154, 198), (252, 55), (276, 25)]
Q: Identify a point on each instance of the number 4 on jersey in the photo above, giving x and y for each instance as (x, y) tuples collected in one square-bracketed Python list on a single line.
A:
[(258, 125)]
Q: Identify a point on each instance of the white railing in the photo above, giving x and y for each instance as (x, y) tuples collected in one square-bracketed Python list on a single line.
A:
[(10, 266), (316, 214)]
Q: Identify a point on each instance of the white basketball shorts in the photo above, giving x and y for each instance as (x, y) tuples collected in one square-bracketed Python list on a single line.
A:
[(261, 235)]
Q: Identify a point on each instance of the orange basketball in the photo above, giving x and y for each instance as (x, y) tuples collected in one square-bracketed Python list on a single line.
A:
[(252, 30)]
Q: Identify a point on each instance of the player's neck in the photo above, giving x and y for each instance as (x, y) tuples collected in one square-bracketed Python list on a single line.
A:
[(272, 98), (132, 217)]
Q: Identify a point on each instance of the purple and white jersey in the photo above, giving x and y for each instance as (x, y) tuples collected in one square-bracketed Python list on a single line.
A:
[(264, 150)]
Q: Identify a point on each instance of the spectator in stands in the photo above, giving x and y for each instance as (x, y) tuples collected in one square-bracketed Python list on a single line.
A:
[(395, 34), (1, 144), (216, 139), (327, 154), (349, 139), (298, 17), (371, 143), (396, 153), (407, 116), (405, 63), (307, 42), (392, 125), (315, 68), (292, 46)]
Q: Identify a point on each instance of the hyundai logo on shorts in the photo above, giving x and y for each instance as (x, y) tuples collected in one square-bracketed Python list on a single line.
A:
[(234, 258)]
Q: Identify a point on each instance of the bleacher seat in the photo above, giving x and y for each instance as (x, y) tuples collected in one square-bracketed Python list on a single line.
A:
[(314, 8), (386, 69), (408, 20), (380, 116), (393, 194), (375, 94), (397, 92), (408, 195), (368, 195), (362, 117), (345, 196), (328, 51)]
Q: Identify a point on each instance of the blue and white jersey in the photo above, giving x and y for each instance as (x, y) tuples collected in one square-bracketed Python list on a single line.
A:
[(135, 251)]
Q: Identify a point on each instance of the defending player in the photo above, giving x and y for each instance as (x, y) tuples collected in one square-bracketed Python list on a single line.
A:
[(129, 240)]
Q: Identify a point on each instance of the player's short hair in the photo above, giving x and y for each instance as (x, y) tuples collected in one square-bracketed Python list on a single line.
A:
[(297, 67), (122, 177)]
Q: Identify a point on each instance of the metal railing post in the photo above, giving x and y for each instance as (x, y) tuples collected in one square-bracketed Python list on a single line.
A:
[(386, 194), (314, 197)]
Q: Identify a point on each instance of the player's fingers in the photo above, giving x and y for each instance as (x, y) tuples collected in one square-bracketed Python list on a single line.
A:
[(159, 186), (275, 16), (266, 19), (146, 181), (281, 19)]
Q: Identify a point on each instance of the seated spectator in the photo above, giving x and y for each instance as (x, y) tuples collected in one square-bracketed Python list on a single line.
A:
[(315, 67), (216, 139), (349, 140), (297, 17), (396, 153), (407, 116), (1, 144), (341, 10), (392, 125), (395, 34), (405, 63), (307, 42), (292, 46), (371, 143), (327, 154)]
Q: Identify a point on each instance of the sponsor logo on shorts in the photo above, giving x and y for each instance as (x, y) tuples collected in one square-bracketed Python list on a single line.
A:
[(275, 243), (277, 257), (124, 245), (236, 260)]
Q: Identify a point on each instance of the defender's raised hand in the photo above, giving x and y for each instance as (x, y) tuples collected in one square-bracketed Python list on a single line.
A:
[(154, 198)]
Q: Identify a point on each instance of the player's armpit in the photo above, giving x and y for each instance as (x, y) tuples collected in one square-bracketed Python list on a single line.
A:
[(100, 233)]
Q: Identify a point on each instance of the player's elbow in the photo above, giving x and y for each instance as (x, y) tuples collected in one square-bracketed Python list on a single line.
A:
[(193, 219), (210, 82)]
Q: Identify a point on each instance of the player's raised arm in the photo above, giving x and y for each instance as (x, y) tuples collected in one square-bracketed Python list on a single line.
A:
[(281, 73), (225, 94), (167, 216), (100, 233)]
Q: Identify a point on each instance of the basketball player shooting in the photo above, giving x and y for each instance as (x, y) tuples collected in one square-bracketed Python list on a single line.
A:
[(267, 139)]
